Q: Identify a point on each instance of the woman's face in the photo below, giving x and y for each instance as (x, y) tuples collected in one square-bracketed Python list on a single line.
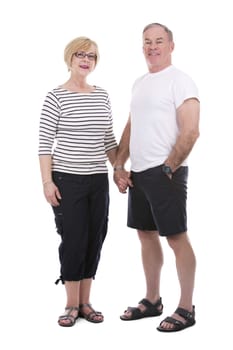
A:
[(83, 61)]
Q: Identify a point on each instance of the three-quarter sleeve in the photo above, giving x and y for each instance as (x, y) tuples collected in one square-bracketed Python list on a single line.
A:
[(48, 124), (110, 139)]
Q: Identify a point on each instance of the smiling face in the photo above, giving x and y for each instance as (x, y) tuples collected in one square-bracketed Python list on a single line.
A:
[(157, 48), (83, 61), (81, 56)]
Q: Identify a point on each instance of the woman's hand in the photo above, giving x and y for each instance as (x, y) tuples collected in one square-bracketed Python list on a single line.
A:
[(52, 193)]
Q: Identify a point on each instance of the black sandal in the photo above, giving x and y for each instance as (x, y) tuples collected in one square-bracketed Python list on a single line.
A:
[(179, 325), (91, 315), (67, 316), (150, 311)]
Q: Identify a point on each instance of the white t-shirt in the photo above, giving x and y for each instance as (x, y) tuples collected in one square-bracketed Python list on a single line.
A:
[(154, 128)]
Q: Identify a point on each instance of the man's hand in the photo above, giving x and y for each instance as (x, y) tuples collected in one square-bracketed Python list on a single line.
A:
[(122, 180)]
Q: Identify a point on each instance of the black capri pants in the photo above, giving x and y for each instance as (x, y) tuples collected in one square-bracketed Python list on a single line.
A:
[(156, 202), (81, 221)]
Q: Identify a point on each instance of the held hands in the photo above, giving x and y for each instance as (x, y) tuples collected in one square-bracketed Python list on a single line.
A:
[(122, 180), (52, 193)]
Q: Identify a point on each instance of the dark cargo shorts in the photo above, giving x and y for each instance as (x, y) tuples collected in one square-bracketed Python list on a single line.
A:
[(157, 202)]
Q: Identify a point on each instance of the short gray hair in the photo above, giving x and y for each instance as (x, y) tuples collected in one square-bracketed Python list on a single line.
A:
[(167, 30)]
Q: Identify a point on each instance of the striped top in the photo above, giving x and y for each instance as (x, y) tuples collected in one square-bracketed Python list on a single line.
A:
[(76, 129)]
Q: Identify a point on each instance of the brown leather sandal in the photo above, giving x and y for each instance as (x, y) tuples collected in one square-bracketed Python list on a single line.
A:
[(90, 317), (189, 320), (151, 310), (67, 316)]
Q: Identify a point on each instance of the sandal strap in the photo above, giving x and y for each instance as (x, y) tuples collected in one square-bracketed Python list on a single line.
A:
[(67, 315), (187, 315), (86, 305), (93, 312), (150, 309), (172, 320), (135, 311), (147, 303), (71, 308)]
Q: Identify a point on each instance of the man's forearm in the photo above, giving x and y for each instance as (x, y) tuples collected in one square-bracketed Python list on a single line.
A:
[(123, 148), (112, 155), (181, 150), (188, 120)]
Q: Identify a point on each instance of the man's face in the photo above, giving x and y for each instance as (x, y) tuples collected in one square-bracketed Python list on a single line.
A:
[(157, 48)]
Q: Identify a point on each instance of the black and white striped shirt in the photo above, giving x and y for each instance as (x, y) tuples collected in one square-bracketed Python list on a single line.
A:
[(76, 129)]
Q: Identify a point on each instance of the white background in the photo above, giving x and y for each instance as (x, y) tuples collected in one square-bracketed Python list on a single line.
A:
[(33, 36)]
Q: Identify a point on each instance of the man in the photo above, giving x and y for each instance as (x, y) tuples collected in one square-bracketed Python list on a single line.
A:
[(160, 133)]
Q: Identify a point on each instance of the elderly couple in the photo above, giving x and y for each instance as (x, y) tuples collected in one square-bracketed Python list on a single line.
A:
[(76, 140)]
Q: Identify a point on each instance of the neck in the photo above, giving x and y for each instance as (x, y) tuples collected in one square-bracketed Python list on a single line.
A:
[(78, 84), (156, 69)]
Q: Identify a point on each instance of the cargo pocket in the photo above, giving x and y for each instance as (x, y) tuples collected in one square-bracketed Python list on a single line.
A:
[(58, 220)]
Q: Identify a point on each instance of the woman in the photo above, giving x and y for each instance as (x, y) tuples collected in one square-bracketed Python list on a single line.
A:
[(74, 174)]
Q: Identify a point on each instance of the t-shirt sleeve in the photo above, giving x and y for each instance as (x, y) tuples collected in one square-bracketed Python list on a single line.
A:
[(184, 88)]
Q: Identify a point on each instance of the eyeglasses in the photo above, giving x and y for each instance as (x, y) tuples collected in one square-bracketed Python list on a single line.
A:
[(82, 54)]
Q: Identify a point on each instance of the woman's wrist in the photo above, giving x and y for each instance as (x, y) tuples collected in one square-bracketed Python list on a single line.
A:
[(47, 182)]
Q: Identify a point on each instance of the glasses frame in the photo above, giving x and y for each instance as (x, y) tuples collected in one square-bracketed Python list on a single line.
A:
[(82, 54)]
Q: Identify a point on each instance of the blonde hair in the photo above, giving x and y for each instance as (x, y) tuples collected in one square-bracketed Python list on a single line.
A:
[(79, 44)]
